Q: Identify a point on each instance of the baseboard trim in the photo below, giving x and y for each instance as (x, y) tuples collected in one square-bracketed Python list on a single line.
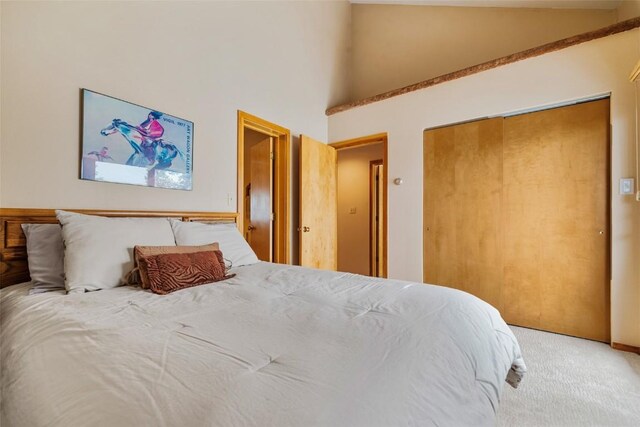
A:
[(625, 347)]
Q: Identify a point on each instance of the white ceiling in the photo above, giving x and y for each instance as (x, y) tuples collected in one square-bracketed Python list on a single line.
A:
[(539, 4)]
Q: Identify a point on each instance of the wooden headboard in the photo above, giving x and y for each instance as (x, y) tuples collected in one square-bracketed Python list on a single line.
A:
[(13, 251)]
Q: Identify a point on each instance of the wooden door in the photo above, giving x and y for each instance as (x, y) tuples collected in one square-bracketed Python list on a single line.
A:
[(261, 199), (318, 205), (556, 233), (462, 208)]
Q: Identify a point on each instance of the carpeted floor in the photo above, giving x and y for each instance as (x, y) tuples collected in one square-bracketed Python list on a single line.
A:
[(572, 382)]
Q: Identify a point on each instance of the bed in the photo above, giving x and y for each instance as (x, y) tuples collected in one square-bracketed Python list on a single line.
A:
[(275, 345)]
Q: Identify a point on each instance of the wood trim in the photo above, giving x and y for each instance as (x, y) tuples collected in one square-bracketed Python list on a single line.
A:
[(376, 139), (620, 27), (357, 142), (49, 215), (625, 347), (261, 125), (281, 180), (282, 191), (13, 252), (372, 188)]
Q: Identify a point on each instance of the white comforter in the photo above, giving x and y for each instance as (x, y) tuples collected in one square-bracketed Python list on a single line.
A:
[(274, 346)]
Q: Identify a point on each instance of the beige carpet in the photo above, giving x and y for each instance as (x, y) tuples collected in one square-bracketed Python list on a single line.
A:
[(572, 382)]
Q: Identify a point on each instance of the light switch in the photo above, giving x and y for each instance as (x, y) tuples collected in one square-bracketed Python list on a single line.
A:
[(626, 186), (352, 211)]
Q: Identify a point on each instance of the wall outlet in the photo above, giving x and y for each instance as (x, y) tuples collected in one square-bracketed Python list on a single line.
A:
[(626, 186)]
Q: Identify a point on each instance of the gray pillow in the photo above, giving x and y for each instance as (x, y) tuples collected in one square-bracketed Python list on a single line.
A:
[(46, 257)]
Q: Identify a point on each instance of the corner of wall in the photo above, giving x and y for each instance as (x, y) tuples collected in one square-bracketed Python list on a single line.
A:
[(340, 90)]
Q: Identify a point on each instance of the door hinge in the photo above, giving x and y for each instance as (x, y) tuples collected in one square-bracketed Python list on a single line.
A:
[(273, 216), (272, 155)]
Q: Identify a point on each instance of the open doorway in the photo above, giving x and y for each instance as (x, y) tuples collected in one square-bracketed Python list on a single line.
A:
[(362, 205), (263, 187)]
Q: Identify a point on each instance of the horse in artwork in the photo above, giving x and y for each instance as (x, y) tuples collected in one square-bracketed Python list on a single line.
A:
[(147, 152), (134, 138)]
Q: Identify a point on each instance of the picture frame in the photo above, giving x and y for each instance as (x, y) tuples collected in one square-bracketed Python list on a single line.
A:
[(127, 143)]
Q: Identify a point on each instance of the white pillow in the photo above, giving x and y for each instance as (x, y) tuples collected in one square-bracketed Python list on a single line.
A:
[(233, 246), (99, 251), (45, 252)]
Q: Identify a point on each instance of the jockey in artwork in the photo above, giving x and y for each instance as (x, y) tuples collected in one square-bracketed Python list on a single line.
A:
[(151, 131)]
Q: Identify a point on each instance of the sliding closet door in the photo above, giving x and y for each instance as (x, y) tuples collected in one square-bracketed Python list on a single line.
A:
[(462, 208), (556, 232)]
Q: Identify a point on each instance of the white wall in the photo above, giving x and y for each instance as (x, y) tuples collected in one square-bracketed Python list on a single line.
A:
[(397, 45), (353, 192), (283, 61), (597, 67), (628, 9)]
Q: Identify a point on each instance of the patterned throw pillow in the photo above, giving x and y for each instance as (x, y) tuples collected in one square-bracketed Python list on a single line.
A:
[(137, 277), (166, 273)]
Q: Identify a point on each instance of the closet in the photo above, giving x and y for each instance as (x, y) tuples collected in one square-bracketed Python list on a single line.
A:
[(516, 212)]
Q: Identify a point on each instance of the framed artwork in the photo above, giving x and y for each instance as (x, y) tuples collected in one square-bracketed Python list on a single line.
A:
[(130, 144)]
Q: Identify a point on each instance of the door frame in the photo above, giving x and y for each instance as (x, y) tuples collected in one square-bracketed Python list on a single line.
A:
[(368, 140), (373, 189), (281, 181)]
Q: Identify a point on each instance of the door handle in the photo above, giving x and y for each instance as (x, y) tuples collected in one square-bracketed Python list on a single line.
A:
[(251, 227), (304, 229)]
